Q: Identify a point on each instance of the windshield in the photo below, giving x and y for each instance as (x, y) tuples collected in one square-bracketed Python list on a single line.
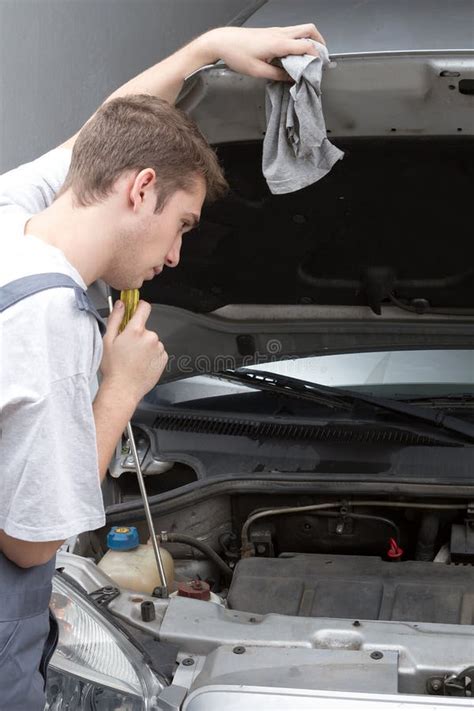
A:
[(397, 374), (419, 373)]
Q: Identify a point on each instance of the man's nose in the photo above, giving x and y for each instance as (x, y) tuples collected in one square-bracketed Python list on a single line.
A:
[(172, 258)]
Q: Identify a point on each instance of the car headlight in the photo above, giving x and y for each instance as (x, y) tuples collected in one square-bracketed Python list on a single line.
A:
[(95, 665)]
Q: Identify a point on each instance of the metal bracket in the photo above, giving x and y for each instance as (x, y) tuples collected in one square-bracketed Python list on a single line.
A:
[(261, 538), (103, 596), (461, 685)]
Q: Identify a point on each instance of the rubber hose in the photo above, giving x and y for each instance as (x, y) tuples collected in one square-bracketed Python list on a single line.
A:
[(201, 546)]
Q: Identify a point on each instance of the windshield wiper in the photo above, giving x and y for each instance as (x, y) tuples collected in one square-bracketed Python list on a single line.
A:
[(339, 398), (461, 400)]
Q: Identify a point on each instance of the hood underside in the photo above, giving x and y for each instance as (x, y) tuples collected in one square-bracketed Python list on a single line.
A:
[(391, 223)]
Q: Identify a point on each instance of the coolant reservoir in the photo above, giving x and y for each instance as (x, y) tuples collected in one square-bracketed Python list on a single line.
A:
[(132, 565)]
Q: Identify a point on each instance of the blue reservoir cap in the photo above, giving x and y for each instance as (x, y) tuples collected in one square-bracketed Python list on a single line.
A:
[(122, 538)]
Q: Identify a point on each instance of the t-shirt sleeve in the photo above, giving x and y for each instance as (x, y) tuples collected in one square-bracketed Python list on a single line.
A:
[(57, 492), (49, 475), (32, 187)]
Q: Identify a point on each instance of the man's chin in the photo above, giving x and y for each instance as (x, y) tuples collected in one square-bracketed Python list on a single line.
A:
[(125, 286)]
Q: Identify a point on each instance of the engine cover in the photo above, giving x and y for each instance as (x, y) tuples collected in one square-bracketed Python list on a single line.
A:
[(354, 587)]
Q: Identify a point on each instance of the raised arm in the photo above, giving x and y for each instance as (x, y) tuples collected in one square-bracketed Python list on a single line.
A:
[(245, 50)]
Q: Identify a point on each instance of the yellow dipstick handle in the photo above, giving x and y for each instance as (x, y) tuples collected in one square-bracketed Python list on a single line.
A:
[(130, 298)]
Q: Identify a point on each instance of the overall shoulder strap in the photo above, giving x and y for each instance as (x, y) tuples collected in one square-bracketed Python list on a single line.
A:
[(22, 288)]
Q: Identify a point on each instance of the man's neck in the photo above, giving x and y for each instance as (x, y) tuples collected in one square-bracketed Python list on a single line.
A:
[(77, 232)]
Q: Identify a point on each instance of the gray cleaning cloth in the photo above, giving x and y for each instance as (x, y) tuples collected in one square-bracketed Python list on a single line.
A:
[(296, 151)]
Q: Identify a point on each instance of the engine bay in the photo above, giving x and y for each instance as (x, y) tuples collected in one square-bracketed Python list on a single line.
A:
[(331, 585), (399, 560)]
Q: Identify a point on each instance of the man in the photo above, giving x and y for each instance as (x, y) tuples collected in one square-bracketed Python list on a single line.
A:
[(116, 210)]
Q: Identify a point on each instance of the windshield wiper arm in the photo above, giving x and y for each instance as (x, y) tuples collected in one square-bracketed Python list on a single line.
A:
[(458, 400), (344, 399)]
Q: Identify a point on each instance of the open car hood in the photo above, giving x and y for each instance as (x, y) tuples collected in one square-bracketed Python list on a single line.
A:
[(377, 255)]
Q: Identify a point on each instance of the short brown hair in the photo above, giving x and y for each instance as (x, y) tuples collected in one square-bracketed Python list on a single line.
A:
[(137, 132)]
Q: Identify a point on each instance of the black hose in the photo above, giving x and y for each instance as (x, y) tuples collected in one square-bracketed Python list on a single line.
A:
[(201, 546)]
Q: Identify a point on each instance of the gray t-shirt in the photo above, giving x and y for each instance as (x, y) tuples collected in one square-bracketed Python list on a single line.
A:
[(50, 352)]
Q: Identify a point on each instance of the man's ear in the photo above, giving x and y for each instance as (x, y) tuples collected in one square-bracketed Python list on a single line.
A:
[(143, 189)]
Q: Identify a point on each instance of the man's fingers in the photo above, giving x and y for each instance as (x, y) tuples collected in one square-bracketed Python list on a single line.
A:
[(302, 46), (308, 30), (140, 316), (269, 71), (114, 321)]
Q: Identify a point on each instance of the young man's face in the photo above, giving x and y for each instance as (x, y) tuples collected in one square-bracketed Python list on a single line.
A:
[(150, 241)]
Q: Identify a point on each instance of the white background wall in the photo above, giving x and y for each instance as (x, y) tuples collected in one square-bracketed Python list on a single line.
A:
[(60, 58)]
